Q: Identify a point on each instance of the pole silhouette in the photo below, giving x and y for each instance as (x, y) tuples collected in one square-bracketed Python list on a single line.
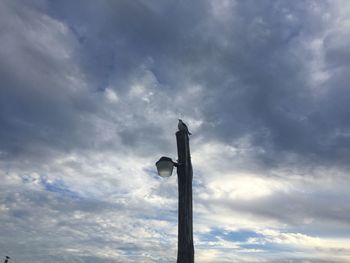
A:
[(185, 252)]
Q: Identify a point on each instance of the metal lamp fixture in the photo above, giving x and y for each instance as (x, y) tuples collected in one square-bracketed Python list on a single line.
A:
[(165, 166)]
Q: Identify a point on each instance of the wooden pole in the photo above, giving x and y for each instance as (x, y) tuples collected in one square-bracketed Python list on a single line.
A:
[(185, 252)]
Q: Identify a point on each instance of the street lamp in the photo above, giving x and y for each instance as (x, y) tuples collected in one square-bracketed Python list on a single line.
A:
[(165, 166)]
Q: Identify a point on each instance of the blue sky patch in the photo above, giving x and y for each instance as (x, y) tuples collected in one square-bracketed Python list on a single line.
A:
[(241, 235), (57, 186)]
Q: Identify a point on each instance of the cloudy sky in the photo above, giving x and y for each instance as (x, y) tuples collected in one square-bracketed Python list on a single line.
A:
[(90, 94)]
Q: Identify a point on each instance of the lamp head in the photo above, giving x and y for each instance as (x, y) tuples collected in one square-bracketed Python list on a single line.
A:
[(165, 166)]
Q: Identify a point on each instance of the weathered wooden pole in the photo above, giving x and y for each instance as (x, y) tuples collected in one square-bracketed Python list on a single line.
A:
[(185, 252)]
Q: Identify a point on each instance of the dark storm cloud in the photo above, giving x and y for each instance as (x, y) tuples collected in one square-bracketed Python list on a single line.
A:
[(39, 109), (118, 36), (252, 58), (48, 105), (260, 84)]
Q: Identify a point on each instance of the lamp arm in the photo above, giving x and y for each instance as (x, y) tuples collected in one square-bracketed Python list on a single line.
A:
[(177, 164)]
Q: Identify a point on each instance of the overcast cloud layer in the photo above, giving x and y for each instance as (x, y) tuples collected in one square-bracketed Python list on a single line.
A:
[(90, 94)]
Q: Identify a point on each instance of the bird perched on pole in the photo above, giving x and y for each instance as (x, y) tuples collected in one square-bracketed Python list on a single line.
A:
[(183, 127)]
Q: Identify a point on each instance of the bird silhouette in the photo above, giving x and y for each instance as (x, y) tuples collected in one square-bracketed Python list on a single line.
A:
[(183, 127)]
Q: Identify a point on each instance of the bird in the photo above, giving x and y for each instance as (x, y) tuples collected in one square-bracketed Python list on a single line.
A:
[(183, 127)]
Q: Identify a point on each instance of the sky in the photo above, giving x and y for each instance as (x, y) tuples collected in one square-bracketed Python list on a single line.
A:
[(90, 94)]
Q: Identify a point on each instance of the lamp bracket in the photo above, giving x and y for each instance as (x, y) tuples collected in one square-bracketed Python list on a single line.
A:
[(177, 164)]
